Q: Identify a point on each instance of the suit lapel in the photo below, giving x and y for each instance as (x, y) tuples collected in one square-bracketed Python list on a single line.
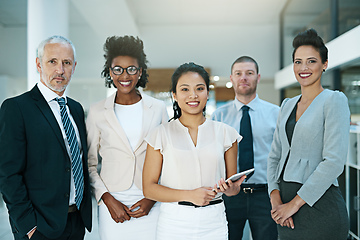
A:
[(113, 121), (313, 105), (308, 115), (288, 108), (48, 114)]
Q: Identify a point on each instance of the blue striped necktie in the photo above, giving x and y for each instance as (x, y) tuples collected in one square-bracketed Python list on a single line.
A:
[(76, 162)]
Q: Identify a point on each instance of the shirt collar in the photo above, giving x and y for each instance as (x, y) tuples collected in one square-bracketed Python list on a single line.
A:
[(252, 105), (48, 94)]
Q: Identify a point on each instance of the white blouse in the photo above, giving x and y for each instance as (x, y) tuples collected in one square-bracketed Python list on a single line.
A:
[(186, 166), (130, 118)]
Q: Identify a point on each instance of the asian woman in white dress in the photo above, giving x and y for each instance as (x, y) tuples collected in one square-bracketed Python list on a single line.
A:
[(116, 129), (185, 161)]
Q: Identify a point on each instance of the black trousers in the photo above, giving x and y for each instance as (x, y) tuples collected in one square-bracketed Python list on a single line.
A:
[(74, 230), (253, 207)]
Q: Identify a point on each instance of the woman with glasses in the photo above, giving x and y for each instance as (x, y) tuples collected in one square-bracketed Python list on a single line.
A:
[(116, 129)]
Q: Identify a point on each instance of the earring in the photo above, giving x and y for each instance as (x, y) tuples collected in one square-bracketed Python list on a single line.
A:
[(324, 70), (109, 81)]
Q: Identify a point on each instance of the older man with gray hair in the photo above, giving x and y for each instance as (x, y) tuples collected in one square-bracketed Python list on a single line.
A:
[(43, 152)]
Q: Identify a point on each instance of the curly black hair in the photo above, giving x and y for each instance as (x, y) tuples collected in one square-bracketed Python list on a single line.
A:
[(311, 38), (181, 70), (124, 46)]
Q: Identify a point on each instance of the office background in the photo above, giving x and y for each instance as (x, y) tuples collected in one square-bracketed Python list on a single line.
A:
[(212, 33)]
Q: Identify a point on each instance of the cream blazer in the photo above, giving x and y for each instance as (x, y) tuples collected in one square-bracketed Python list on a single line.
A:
[(108, 144)]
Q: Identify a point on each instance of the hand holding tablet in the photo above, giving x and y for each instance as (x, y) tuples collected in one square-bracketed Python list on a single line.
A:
[(237, 176)]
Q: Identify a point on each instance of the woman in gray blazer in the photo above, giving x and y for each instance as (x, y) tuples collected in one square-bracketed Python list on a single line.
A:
[(309, 151)]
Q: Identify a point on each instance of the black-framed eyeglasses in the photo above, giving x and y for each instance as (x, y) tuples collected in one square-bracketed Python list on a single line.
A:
[(131, 70)]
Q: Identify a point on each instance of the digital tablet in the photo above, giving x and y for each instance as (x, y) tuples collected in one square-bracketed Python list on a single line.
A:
[(237, 176)]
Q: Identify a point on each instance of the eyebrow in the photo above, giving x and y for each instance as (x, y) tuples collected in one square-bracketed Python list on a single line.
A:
[(187, 85), (247, 70), (57, 59), (306, 58)]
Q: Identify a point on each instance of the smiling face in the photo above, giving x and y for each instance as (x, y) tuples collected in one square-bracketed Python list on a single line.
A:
[(308, 66), (56, 66), (125, 83), (191, 93), (244, 79)]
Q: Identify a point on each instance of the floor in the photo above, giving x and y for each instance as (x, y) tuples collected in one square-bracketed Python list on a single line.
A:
[(5, 231)]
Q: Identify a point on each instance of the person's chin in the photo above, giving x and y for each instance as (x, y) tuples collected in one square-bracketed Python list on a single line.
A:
[(244, 91), (59, 88)]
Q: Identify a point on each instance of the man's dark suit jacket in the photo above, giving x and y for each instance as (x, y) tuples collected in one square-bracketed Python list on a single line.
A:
[(35, 166)]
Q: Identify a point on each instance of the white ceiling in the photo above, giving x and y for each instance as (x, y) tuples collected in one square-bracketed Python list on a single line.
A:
[(206, 12), (91, 21), (177, 12), (160, 12)]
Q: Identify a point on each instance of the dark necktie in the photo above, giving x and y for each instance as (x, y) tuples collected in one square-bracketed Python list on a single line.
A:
[(246, 152), (76, 163)]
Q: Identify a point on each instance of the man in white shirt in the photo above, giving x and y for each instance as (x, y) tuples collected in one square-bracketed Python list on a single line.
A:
[(252, 203), (43, 152)]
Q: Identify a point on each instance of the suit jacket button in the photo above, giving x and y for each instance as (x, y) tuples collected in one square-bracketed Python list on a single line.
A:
[(67, 195), (67, 169)]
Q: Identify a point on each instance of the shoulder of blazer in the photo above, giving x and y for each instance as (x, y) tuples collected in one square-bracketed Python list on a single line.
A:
[(334, 96), (104, 104), (34, 93), (286, 107), (283, 104), (101, 110), (107, 103), (23, 98)]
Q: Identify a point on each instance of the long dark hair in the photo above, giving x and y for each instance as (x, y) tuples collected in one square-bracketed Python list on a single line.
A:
[(182, 69)]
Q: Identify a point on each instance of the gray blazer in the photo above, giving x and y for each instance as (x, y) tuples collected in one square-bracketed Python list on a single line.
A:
[(318, 148)]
